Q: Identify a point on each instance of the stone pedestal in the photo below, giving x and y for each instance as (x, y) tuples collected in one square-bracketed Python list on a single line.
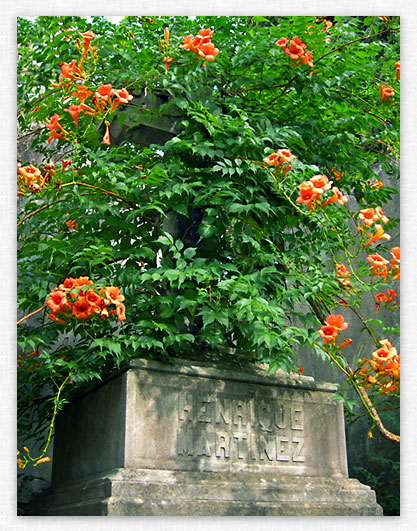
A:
[(188, 440)]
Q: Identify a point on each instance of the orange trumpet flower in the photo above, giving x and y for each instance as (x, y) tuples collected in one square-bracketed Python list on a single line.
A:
[(106, 137), (377, 236)]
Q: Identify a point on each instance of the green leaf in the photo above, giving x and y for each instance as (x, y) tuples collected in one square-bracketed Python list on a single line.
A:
[(208, 316), (189, 252)]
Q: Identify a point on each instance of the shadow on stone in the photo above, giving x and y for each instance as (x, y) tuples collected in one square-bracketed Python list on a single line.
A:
[(191, 440)]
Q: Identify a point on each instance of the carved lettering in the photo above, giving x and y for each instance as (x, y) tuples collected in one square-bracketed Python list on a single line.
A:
[(265, 417), (223, 409), (185, 407), (223, 443), (252, 447), (282, 449), (185, 444), (203, 445), (298, 445), (239, 438), (240, 413), (204, 413), (266, 448), (297, 418), (280, 417), (245, 429)]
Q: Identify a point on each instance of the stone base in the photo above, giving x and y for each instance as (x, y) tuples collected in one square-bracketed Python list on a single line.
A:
[(196, 440), (145, 492)]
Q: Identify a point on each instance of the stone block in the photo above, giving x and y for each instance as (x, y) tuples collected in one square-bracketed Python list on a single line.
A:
[(189, 439), (147, 119)]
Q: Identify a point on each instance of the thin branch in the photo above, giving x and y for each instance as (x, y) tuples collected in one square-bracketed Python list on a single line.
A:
[(355, 40), (31, 132), (148, 292), (250, 223), (380, 409), (381, 153), (374, 140), (100, 189), (51, 427), (284, 90), (373, 413), (386, 483), (30, 315), (361, 320), (369, 105), (250, 160), (363, 395), (378, 422), (39, 99), (276, 85), (44, 96), (286, 86), (39, 210), (42, 208)]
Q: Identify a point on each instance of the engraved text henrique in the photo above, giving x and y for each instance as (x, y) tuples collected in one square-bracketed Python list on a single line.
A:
[(247, 430)]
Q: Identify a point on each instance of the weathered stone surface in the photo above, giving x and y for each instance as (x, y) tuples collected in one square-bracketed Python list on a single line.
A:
[(140, 492), (146, 120), (192, 440)]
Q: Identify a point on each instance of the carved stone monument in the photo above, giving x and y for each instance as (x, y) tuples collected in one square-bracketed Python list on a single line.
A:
[(188, 439)]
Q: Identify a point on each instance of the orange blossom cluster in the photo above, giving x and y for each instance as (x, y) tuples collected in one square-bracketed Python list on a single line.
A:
[(32, 178), (23, 462), (385, 298), (281, 160), (332, 326), (385, 92), (379, 233), (201, 44), (296, 50), (87, 36), (342, 276), (335, 173), (71, 71), (381, 267), (369, 216), (77, 298), (385, 364), (167, 60), (311, 191), (105, 98)]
